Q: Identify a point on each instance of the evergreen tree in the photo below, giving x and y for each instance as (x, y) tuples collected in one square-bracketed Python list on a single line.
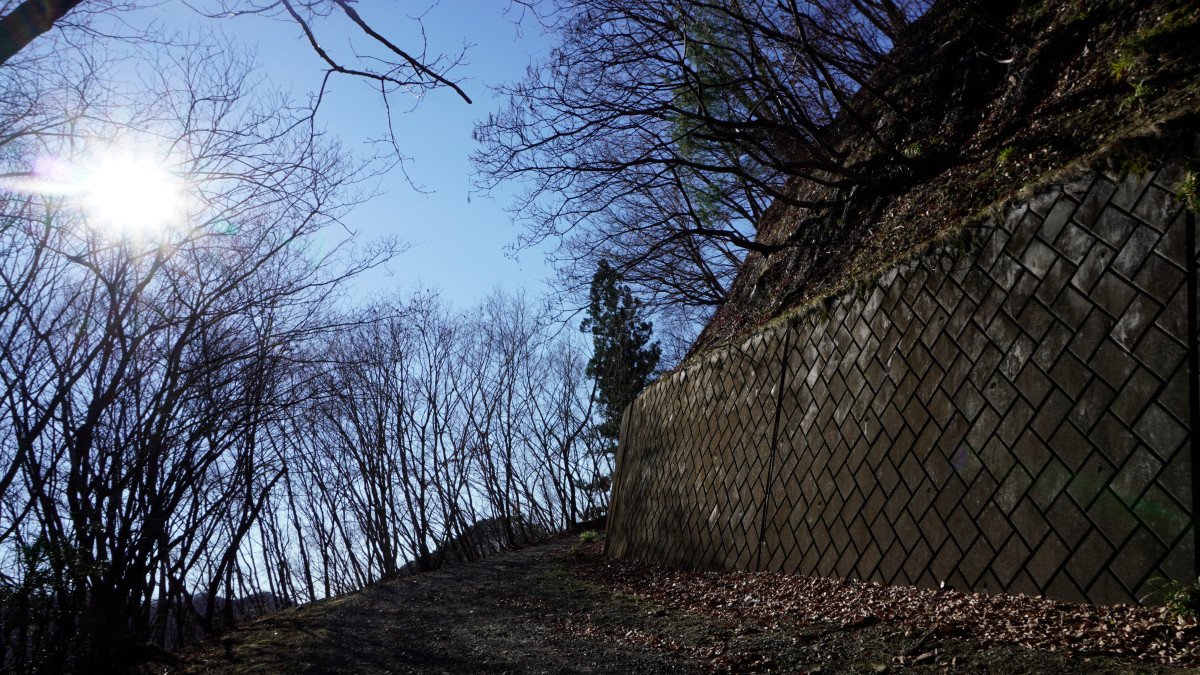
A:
[(624, 359)]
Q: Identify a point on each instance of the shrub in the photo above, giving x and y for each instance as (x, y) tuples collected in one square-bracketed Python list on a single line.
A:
[(1182, 599), (1188, 191)]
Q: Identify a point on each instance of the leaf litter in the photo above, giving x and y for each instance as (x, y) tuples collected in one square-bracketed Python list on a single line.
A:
[(1146, 634)]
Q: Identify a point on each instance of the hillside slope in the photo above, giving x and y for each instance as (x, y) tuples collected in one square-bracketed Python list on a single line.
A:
[(996, 102)]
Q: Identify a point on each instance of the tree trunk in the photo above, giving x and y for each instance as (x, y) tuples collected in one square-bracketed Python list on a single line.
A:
[(29, 20)]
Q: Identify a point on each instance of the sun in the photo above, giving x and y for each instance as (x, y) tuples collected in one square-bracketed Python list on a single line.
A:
[(119, 191), (131, 194)]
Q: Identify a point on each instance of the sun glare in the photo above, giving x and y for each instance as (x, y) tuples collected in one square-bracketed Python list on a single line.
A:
[(119, 191), (131, 194)]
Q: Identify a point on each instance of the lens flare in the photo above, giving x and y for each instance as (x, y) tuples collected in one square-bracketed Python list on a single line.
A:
[(131, 194)]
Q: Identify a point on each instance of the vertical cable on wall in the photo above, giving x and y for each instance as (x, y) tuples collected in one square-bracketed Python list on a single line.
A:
[(766, 501), (1191, 154)]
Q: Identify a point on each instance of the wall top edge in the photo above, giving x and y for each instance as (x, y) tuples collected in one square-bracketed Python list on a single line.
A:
[(1157, 142)]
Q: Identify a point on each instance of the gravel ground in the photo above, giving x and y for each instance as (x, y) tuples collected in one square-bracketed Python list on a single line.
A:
[(561, 608)]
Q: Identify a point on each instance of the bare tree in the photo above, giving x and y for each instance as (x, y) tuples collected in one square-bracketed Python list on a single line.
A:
[(24, 22), (658, 132), (387, 437), (140, 382), (411, 71), (534, 420), (363, 423), (680, 275), (189, 432), (437, 437), (562, 435)]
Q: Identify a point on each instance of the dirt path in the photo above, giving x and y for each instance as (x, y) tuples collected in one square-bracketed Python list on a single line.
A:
[(502, 614), (529, 611)]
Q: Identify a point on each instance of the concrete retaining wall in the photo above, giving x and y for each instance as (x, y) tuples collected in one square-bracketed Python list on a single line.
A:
[(1019, 419)]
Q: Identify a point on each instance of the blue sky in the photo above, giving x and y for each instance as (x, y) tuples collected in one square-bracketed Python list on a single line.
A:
[(459, 238)]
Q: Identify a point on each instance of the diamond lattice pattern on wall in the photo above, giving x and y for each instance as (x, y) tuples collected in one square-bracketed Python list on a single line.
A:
[(1016, 419)]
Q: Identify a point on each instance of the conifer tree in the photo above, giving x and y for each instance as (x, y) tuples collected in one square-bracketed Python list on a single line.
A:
[(624, 359)]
